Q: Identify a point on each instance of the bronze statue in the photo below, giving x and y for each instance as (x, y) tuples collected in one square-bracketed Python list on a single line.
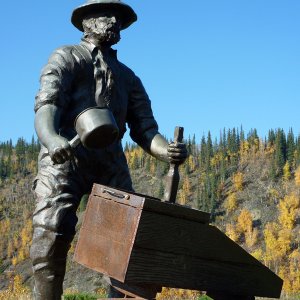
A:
[(76, 78)]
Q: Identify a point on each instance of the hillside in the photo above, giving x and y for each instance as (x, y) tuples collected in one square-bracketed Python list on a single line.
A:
[(251, 187)]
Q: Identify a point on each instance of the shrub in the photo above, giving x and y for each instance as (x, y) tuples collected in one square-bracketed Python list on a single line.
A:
[(82, 296)]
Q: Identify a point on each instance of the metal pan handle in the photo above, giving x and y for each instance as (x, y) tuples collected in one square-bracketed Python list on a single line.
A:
[(75, 141)]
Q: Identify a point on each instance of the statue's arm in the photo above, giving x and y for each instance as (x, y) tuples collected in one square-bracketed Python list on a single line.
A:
[(144, 129), (46, 123), (49, 105), (168, 152)]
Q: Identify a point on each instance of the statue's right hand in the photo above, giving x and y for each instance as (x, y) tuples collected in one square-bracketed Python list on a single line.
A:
[(59, 150)]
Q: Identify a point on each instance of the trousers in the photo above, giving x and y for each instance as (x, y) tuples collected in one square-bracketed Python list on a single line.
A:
[(58, 190)]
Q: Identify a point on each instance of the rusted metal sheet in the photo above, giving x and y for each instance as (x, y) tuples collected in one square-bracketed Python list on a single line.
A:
[(148, 203), (107, 235)]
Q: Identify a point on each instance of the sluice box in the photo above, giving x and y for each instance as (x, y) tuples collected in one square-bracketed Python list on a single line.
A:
[(137, 239)]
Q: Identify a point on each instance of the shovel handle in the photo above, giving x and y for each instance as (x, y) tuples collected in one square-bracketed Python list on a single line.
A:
[(173, 177), (75, 141), (178, 134)]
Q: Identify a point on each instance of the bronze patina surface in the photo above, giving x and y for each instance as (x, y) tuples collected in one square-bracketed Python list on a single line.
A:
[(76, 78)]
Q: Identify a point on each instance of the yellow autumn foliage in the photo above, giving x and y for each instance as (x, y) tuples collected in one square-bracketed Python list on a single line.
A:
[(258, 254), (15, 290), (231, 202), (182, 197), (251, 237), (284, 242), (191, 163), (297, 176), (244, 149), (177, 294), (238, 180), (271, 252), (291, 276), (186, 186), (10, 249), (245, 221), (14, 260), (294, 270), (288, 209), (278, 242), (232, 232), (286, 171)]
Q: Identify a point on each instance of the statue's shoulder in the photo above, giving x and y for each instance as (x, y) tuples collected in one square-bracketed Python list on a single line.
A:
[(70, 55), (64, 50), (125, 69), (69, 51)]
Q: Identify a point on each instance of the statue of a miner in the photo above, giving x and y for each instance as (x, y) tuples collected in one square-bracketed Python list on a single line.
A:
[(78, 77)]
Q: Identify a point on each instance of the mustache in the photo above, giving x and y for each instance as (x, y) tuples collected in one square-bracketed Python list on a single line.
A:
[(109, 27), (109, 35)]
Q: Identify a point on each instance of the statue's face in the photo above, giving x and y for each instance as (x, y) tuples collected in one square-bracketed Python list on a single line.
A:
[(103, 27)]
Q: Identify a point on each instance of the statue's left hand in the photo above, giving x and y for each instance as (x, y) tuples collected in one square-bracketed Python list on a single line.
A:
[(177, 153)]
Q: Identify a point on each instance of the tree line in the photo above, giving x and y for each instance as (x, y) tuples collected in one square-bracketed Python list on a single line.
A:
[(19, 158), (231, 177), (214, 162)]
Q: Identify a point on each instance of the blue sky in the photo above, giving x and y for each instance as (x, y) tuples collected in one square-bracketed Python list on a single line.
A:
[(206, 64)]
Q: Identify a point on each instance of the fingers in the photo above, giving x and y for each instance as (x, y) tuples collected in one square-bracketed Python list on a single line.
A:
[(61, 155), (177, 153), (176, 160), (177, 148)]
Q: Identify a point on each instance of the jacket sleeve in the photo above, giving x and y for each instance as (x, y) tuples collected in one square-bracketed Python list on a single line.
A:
[(140, 119), (56, 79)]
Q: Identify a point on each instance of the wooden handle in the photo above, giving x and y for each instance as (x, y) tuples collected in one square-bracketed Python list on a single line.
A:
[(75, 141), (173, 177), (178, 134)]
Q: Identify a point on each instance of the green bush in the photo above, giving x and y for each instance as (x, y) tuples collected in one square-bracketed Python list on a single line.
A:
[(80, 297), (83, 202)]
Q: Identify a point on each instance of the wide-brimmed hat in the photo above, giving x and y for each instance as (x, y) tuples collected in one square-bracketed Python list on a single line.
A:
[(128, 16)]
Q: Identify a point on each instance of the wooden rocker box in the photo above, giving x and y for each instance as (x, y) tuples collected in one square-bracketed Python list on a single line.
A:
[(137, 239)]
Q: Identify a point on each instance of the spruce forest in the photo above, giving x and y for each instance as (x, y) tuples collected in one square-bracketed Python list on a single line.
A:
[(249, 184)]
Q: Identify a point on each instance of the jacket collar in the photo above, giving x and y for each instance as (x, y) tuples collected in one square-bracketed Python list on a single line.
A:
[(91, 47)]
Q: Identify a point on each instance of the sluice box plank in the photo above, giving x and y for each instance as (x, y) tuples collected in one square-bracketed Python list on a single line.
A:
[(140, 240)]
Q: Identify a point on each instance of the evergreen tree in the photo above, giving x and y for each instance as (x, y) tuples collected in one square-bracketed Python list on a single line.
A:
[(208, 152), (290, 147), (224, 140), (297, 152), (271, 137), (242, 134), (280, 152), (233, 142), (189, 145), (237, 140), (202, 154), (229, 140), (9, 167), (194, 146), (20, 150), (252, 136)]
